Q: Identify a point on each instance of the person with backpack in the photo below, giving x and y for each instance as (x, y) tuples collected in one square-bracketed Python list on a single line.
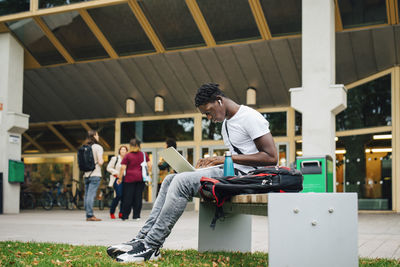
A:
[(90, 161), (113, 167), (133, 184), (245, 131)]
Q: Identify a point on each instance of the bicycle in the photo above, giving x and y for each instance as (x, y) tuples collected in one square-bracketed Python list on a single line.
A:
[(49, 198), (105, 198), (77, 199), (27, 200)]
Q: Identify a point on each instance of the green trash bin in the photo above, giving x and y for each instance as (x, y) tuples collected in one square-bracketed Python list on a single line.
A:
[(317, 172), (16, 171)]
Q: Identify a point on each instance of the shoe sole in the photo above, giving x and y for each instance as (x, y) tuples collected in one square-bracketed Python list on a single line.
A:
[(114, 253)]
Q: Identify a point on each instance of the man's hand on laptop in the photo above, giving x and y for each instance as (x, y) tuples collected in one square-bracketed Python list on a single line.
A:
[(210, 161)]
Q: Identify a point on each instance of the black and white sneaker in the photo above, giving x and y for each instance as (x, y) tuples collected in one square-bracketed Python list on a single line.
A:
[(116, 250), (140, 253)]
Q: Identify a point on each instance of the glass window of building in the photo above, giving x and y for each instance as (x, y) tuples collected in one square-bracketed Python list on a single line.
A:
[(364, 165), (36, 42), (358, 13), (158, 130), (368, 105), (75, 35), (173, 23), (13, 6), (121, 28), (277, 123), (229, 20), (128, 130), (283, 17), (54, 3), (298, 122), (211, 130)]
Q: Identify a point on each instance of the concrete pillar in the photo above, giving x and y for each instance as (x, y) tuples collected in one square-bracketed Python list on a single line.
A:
[(319, 99), (12, 121)]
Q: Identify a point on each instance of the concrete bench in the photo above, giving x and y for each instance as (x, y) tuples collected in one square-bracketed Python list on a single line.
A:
[(237, 220), (305, 229)]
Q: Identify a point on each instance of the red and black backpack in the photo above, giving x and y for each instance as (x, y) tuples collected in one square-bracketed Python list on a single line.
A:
[(259, 181)]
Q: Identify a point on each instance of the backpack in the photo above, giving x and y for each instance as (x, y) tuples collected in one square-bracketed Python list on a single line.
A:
[(258, 181), (85, 158)]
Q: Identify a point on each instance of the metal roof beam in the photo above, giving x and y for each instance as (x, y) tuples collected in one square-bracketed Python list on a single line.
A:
[(29, 142), (148, 29), (392, 12), (61, 137), (200, 22), (33, 142), (54, 40), (97, 32), (338, 18), (260, 19), (59, 9)]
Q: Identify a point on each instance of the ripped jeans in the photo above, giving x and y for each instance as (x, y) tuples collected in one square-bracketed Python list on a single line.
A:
[(176, 190)]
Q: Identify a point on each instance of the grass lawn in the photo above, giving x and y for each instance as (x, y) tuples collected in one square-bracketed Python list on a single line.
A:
[(48, 254)]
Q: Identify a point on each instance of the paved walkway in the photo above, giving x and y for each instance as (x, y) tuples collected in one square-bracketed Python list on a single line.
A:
[(378, 234)]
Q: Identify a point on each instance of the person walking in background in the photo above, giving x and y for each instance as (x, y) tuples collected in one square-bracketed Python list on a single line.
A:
[(163, 166), (92, 178), (113, 167), (133, 184)]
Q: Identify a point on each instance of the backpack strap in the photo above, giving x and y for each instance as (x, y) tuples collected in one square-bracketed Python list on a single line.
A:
[(219, 215), (237, 150)]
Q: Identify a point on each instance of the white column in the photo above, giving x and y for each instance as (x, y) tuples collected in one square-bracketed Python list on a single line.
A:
[(319, 99), (12, 122)]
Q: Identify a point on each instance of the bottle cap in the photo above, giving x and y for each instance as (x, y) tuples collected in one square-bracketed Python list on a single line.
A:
[(228, 153)]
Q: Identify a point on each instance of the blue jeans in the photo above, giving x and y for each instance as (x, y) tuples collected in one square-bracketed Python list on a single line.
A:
[(118, 197), (91, 185), (176, 190)]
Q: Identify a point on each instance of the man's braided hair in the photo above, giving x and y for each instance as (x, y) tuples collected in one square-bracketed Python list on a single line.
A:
[(207, 93)]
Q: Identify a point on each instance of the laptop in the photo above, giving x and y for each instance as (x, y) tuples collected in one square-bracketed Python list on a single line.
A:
[(178, 162)]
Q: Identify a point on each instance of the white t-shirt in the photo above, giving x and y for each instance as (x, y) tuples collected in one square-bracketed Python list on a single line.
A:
[(245, 126), (97, 154)]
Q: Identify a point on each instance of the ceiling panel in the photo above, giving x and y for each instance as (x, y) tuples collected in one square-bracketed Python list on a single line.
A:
[(196, 66), (397, 40), (99, 89), (88, 74), (172, 83), (286, 64), (124, 81), (155, 81), (182, 73), (248, 65), (346, 70), (364, 53), (384, 47), (233, 71), (216, 72), (140, 80), (46, 92), (268, 67)]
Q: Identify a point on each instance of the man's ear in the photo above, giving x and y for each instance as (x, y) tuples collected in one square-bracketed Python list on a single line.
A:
[(219, 100)]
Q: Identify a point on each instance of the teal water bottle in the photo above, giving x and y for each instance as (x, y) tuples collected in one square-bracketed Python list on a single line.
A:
[(228, 165)]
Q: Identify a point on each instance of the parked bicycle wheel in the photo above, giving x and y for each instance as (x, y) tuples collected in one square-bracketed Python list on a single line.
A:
[(61, 201), (69, 202), (27, 201), (78, 200), (47, 201)]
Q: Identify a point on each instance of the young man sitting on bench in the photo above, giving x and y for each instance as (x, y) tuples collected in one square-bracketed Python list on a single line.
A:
[(245, 131)]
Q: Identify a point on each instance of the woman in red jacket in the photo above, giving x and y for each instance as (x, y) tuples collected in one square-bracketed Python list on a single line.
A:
[(133, 184)]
